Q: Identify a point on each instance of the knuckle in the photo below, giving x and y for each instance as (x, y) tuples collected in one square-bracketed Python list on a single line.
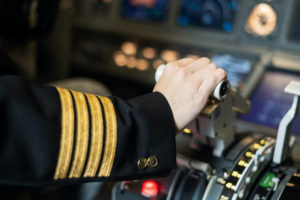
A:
[(192, 58), (205, 59), (188, 59), (170, 66), (213, 78), (222, 72), (182, 72), (213, 66)]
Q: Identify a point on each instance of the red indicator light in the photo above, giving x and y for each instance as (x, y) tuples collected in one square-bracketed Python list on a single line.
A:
[(149, 189)]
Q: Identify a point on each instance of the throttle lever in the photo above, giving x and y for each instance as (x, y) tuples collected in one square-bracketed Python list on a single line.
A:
[(220, 92)]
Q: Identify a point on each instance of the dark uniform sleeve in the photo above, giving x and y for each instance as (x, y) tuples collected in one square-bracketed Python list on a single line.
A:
[(56, 136)]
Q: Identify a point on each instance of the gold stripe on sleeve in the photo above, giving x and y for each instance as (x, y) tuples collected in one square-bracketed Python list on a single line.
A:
[(110, 138), (96, 137), (82, 136), (67, 134)]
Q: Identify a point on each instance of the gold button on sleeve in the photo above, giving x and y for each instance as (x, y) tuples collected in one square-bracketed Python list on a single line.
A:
[(142, 163), (152, 161)]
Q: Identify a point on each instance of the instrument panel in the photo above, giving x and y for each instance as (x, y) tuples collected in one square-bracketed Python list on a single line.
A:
[(129, 39), (163, 31), (148, 10), (210, 14)]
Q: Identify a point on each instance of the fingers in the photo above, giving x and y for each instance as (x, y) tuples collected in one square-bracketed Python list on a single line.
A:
[(211, 82), (205, 71), (198, 64), (198, 71), (185, 61), (191, 63), (178, 65)]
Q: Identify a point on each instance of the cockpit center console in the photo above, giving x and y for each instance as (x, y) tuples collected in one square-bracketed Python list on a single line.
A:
[(217, 162)]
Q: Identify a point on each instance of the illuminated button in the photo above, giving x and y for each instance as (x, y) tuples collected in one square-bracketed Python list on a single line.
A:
[(228, 185), (152, 161), (142, 163), (242, 163), (142, 64), (248, 179), (192, 56), (290, 184), (249, 154), (129, 48), (150, 189), (236, 174), (149, 52), (241, 194), (256, 146), (224, 197), (169, 55), (221, 181), (226, 174), (187, 131), (131, 62), (120, 59), (254, 169), (297, 174), (157, 63)]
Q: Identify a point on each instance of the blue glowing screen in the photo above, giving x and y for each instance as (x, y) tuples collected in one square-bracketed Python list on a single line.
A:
[(237, 68), (269, 102), (212, 14)]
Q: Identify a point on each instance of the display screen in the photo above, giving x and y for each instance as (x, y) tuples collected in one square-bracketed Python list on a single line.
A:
[(101, 6), (213, 14), (269, 102), (237, 68), (149, 10)]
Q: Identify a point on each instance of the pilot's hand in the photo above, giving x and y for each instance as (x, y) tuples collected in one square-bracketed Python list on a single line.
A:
[(187, 84)]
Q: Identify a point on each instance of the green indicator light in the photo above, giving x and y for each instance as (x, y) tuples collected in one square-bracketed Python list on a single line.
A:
[(267, 182)]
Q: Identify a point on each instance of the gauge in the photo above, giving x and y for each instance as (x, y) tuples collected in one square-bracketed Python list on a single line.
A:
[(262, 20), (211, 14)]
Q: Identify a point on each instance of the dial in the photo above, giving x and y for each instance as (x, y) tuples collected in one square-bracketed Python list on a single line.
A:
[(262, 20)]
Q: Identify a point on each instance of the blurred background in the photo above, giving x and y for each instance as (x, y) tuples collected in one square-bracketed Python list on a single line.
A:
[(115, 46)]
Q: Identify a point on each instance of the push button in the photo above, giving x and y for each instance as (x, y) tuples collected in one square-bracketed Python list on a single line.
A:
[(152, 161), (142, 163)]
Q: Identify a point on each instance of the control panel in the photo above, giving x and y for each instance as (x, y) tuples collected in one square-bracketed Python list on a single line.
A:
[(257, 42), (252, 167)]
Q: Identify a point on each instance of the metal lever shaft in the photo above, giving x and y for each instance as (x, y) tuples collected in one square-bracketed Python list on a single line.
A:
[(284, 130)]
